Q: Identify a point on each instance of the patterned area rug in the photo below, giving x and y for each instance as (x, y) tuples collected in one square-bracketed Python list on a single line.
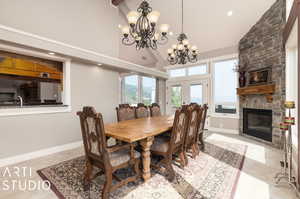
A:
[(212, 175)]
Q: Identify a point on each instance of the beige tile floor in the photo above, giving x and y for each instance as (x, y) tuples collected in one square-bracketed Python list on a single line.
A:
[(256, 180)]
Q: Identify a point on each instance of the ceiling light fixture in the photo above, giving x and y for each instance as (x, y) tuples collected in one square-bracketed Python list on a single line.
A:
[(142, 29), (51, 53), (182, 52), (99, 64), (230, 13)]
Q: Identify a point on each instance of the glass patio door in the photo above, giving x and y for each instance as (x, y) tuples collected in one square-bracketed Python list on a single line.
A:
[(186, 92)]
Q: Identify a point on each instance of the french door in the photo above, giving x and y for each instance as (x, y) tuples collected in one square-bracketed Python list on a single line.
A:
[(186, 92)]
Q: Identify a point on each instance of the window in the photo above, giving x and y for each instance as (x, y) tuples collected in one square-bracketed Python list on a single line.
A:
[(148, 90), (180, 72), (138, 89), (30, 81), (131, 89), (196, 94), (225, 83), (197, 70), (176, 96)]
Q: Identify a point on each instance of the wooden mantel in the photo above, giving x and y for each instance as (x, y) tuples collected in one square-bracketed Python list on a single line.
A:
[(267, 90)]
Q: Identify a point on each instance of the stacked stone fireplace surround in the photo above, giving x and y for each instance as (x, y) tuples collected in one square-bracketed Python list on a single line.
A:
[(263, 47)]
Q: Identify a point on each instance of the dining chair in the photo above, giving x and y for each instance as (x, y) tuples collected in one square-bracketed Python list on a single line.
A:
[(125, 112), (191, 140), (202, 126), (174, 145), (124, 105), (141, 111), (154, 110), (108, 159)]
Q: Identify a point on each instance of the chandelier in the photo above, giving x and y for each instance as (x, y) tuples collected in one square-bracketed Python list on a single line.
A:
[(182, 52), (142, 29)]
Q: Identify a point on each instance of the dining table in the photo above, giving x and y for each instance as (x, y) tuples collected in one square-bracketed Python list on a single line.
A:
[(140, 130)]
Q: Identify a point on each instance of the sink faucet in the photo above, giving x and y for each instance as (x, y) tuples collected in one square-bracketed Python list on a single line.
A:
[(21, 101)]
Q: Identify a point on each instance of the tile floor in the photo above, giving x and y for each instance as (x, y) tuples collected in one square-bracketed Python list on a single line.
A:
[(256, 180)]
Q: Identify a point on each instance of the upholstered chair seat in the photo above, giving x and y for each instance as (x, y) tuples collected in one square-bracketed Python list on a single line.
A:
[(119, 157), (161, 144)]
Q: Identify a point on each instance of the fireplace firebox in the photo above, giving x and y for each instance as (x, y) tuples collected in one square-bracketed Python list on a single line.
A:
[(258, 123)]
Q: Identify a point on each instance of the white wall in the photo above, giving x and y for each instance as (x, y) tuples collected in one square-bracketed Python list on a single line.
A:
[(90, 24), (23, 134)]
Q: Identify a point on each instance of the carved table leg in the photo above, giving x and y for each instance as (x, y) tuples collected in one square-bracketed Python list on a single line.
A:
[(146, 144)]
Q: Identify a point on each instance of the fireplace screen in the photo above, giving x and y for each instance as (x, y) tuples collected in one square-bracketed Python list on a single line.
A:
[(258, 123)]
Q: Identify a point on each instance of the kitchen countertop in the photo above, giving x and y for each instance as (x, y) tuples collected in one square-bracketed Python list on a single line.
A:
[(31, 106)]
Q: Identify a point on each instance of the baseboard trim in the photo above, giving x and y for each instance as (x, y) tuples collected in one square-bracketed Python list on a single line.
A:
[(231, 131), (37, 154)]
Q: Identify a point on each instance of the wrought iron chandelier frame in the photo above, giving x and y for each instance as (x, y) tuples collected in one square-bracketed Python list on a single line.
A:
[(143, 33)]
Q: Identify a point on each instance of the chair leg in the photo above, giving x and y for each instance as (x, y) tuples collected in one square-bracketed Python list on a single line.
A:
[(171, 172), (87, 175), (194, 151), (107, 186), (183, 159), (137, 169), (201, 141)]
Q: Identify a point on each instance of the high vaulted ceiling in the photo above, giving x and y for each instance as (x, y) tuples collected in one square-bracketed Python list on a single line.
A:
[(206, 22)]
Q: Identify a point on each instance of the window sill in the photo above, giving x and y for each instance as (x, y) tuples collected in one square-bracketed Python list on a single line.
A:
[(225, 115), (32, 110)]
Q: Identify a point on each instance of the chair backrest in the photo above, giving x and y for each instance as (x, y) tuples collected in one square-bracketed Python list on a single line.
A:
[(203, 118), (124, 105), (155, 110), (93, 134), (141, 111), (125, 112), (195, 114), (179, 128)]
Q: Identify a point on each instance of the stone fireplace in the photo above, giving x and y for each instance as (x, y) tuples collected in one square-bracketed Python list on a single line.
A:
[(263, 47)]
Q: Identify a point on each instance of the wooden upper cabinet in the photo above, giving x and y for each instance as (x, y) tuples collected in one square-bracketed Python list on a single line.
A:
[(6, 62), (21, 64), (28, 68)]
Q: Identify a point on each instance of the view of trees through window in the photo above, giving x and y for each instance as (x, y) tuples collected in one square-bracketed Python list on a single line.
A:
[(131, 89), (134, 95), (148, 90), (225, 77), (176, 96)]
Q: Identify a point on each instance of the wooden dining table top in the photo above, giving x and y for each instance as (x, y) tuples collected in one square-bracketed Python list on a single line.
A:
[(139, 129)]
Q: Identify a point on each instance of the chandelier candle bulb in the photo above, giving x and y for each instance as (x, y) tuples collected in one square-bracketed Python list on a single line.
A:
[(132, 17), (170, 51), (185, 42), (164, 28), (153, 17)]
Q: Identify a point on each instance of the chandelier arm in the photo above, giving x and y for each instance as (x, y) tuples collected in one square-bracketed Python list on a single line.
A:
[(126, 41)]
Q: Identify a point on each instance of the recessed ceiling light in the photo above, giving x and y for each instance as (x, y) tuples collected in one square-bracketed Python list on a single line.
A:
[(51, 53), (120, 26), (99, 64), (230, 13), (171, 33)]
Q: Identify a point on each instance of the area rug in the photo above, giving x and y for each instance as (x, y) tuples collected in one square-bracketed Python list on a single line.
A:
[(214, 174)]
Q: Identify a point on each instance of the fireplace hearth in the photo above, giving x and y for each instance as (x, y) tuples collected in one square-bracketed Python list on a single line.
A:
[(258, 123)]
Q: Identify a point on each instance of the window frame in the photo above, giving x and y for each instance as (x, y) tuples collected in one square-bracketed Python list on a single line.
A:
[(213, 112), (140, 87), (66, 95), (189, 77)]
